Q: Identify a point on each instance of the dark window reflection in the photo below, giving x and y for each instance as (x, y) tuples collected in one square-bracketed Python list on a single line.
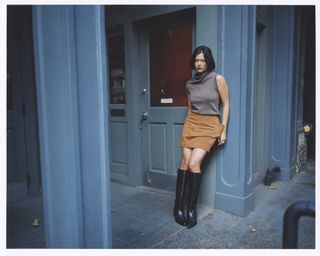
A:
[(116, 54)]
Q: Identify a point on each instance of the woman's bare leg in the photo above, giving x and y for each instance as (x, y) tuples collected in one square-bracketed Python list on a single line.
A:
[(195, 160), (186, 153)]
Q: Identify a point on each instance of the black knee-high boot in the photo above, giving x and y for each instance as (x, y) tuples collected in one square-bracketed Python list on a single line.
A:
[(193, 193), (179, 214)]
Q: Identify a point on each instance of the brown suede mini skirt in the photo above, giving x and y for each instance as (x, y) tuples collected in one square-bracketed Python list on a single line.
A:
[(200, 131)]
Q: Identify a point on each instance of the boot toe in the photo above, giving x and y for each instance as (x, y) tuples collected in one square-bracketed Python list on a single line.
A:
[(192, 218), (181, 222), (180, 218)]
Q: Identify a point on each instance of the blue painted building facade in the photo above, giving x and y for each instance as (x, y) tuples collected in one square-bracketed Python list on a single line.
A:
[(87, 138)]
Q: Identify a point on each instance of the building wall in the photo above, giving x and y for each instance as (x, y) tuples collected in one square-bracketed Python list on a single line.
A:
[(258, 67), (283, 125), (73, 105), (262, 94), (278, 82), (230, 35)]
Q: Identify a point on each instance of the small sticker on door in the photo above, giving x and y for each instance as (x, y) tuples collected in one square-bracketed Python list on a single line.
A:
[(166, 100)]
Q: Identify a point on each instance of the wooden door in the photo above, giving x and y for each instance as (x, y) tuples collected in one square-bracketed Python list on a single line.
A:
[(165, 55)]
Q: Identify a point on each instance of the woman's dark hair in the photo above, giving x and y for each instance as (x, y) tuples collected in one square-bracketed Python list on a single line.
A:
[(211, 65)]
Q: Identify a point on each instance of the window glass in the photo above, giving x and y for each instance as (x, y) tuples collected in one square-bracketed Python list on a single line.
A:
[(170, 51), (117, 79)]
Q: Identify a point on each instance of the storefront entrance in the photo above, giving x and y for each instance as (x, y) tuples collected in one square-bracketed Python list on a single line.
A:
[(148, 70), (164, 61)]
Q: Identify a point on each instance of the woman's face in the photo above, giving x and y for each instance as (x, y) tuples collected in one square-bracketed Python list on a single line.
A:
[(200, 63)]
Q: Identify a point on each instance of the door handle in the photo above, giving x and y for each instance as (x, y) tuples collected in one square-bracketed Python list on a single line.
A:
[(144, 117)]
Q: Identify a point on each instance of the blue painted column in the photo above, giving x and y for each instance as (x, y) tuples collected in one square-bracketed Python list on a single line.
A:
[(207, 17), (283, 106), (235, 60), (71, 75)]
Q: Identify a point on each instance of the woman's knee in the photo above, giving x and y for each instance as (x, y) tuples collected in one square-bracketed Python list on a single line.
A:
[(184, 163), (186, 153), (194, 163), (194, 166)]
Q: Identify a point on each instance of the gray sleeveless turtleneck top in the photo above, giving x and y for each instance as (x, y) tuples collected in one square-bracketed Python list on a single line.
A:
[(203, 94)]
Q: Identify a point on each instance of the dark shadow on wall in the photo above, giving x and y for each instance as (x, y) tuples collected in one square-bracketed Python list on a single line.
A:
[(309, 100)]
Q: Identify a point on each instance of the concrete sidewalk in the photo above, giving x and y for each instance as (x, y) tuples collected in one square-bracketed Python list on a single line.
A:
[(142, 218), (262, 228)]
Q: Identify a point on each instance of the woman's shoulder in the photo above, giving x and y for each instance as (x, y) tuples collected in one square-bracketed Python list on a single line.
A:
[(220, 78), (221, 81)]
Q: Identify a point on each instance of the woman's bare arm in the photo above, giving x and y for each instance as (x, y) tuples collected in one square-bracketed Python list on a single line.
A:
[(224, 95)]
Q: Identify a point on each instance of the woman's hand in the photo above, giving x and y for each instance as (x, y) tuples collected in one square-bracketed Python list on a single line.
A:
[(223, 138)]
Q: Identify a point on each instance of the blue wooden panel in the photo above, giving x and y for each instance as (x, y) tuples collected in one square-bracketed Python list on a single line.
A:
[(158, 146), (281, 100), (282, 92), (119, 143)]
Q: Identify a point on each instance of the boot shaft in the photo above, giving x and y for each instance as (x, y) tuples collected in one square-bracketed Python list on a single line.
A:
[(179, 211), (194, 183), (181, 186)]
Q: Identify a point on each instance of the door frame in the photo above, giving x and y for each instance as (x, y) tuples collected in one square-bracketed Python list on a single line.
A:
[(132, 24), (136, 37)]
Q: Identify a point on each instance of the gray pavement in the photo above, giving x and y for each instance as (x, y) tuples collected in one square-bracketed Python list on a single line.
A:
[(20, 216), (262, 228), (142, 218)]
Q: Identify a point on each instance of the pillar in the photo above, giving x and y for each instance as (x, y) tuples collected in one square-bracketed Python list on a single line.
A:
[(71, 78), (284, 94), (235, 60), (207, 17)]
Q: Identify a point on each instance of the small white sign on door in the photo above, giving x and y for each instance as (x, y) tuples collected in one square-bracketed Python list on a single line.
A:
[(166, 100)]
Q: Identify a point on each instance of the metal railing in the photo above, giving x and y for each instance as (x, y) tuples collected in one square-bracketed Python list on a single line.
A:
[(291, 222)]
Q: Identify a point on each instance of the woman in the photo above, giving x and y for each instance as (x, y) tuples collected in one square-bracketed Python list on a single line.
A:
[(201, 130)]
